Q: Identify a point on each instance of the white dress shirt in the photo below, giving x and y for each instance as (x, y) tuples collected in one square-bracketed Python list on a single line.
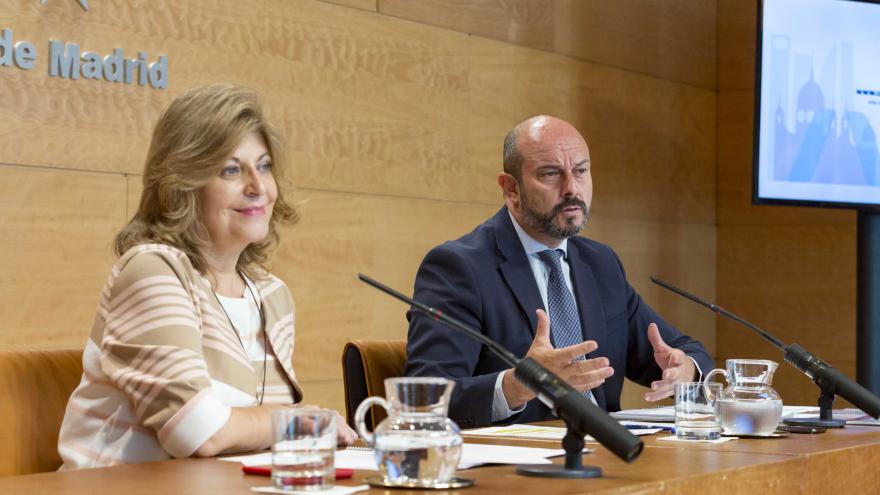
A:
[(500, 408)]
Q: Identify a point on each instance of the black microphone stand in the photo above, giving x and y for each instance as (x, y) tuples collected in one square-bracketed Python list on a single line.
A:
[(829, 380), (580, 415)]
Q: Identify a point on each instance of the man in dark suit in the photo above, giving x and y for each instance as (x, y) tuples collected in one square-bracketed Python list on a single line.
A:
[(526, 261)]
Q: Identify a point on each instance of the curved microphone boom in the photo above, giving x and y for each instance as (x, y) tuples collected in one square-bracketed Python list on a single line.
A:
[(581, 416), (829, 380)]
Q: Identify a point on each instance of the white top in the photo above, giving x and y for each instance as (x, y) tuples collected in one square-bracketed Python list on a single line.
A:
[(245, 317)]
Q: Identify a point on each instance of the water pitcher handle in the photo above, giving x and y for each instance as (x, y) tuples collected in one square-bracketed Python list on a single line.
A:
[(709, 375), (359, 417), (716, 371)]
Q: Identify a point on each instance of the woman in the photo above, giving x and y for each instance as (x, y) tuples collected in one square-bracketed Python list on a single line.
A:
[(192, 344)]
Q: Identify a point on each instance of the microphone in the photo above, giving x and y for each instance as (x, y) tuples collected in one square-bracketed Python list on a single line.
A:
[(829, 380), (578, 412), (581, 416)]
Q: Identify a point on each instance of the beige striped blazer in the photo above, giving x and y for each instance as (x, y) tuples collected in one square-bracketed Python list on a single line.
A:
[(163, 366)]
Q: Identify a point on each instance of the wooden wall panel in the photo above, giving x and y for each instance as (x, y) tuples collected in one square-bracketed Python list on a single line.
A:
[(650, 140), (359, 4), (790, 270), (342, 234), (679, 253), (796, 281), (328, 394), (372, 105), (672, 40), (57, 231), (737, 21), (394, 131), (350, 90)]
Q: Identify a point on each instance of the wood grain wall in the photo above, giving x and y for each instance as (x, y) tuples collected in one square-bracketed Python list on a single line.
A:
[(791, 270), (393, 113)]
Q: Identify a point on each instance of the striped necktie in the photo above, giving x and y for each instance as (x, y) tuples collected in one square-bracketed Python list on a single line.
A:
[(565, 323)]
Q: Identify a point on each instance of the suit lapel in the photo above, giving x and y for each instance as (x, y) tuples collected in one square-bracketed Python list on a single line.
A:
[(515, 268), (586, 293)]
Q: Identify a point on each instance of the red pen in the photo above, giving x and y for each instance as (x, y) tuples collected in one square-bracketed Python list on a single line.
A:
[(341, 473)]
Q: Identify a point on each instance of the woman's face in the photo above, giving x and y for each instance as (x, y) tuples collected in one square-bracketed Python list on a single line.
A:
[(236, 205)]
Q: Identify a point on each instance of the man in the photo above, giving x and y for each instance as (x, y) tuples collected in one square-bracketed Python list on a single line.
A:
[(525, 262)]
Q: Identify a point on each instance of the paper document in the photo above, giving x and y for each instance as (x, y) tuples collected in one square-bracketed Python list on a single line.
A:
[(667, 413), (471, 455), (474, 454), (673, 438), (334, 490), (549, 432), (852, 415), (360, 458)]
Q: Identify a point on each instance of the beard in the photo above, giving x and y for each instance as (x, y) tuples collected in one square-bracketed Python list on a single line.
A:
[(545, 222)]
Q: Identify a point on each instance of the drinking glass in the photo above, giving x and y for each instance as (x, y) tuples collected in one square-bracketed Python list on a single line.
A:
[(303, 448), (696, 413)]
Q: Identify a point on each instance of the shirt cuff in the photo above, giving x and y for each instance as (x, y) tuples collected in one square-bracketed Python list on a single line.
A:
[(194, 424), (500, 408), (699, 371)]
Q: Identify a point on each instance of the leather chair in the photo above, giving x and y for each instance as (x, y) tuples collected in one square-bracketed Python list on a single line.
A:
[(365, 366), (34, 388)]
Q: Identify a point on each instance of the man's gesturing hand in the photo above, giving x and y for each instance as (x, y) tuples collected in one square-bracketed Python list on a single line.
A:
[(581, 375), (674, 364)]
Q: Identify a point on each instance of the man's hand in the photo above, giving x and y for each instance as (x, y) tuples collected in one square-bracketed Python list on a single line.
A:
[(674, 364), (581, 375)]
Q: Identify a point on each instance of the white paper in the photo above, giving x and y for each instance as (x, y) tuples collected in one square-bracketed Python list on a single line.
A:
[(471, 455), (356, 459), (550, 432), (673, 438), (519, 431), (346, 458), (852, 415), (667, 413), (474, 454), (796, 411), (335, 490)]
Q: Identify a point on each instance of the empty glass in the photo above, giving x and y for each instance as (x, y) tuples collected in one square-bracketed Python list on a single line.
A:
[(696, 413)]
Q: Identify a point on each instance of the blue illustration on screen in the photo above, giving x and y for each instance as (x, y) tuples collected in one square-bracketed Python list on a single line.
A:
[(823, 140)]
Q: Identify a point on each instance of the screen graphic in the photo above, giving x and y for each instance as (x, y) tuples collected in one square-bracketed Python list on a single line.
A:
[(819, 108)]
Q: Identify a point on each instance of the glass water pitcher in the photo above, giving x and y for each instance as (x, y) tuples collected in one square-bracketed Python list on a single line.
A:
[(417, 444), (748, 405)]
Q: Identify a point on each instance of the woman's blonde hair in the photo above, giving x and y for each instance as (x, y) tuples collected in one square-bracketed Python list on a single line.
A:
[(191, 142)]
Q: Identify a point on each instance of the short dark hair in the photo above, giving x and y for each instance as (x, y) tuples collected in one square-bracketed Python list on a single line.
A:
[(513, 160)]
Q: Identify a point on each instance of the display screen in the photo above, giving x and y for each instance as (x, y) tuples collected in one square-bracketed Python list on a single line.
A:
[(817, 109)]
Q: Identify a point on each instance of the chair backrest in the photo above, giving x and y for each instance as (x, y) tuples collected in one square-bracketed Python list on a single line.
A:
[(34, 388), (365, 366)]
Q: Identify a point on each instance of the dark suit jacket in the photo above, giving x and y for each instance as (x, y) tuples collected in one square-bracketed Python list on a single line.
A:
[(485, 280)]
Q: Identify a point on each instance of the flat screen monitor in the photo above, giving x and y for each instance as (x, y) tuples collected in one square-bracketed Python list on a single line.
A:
[(817, 103)]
